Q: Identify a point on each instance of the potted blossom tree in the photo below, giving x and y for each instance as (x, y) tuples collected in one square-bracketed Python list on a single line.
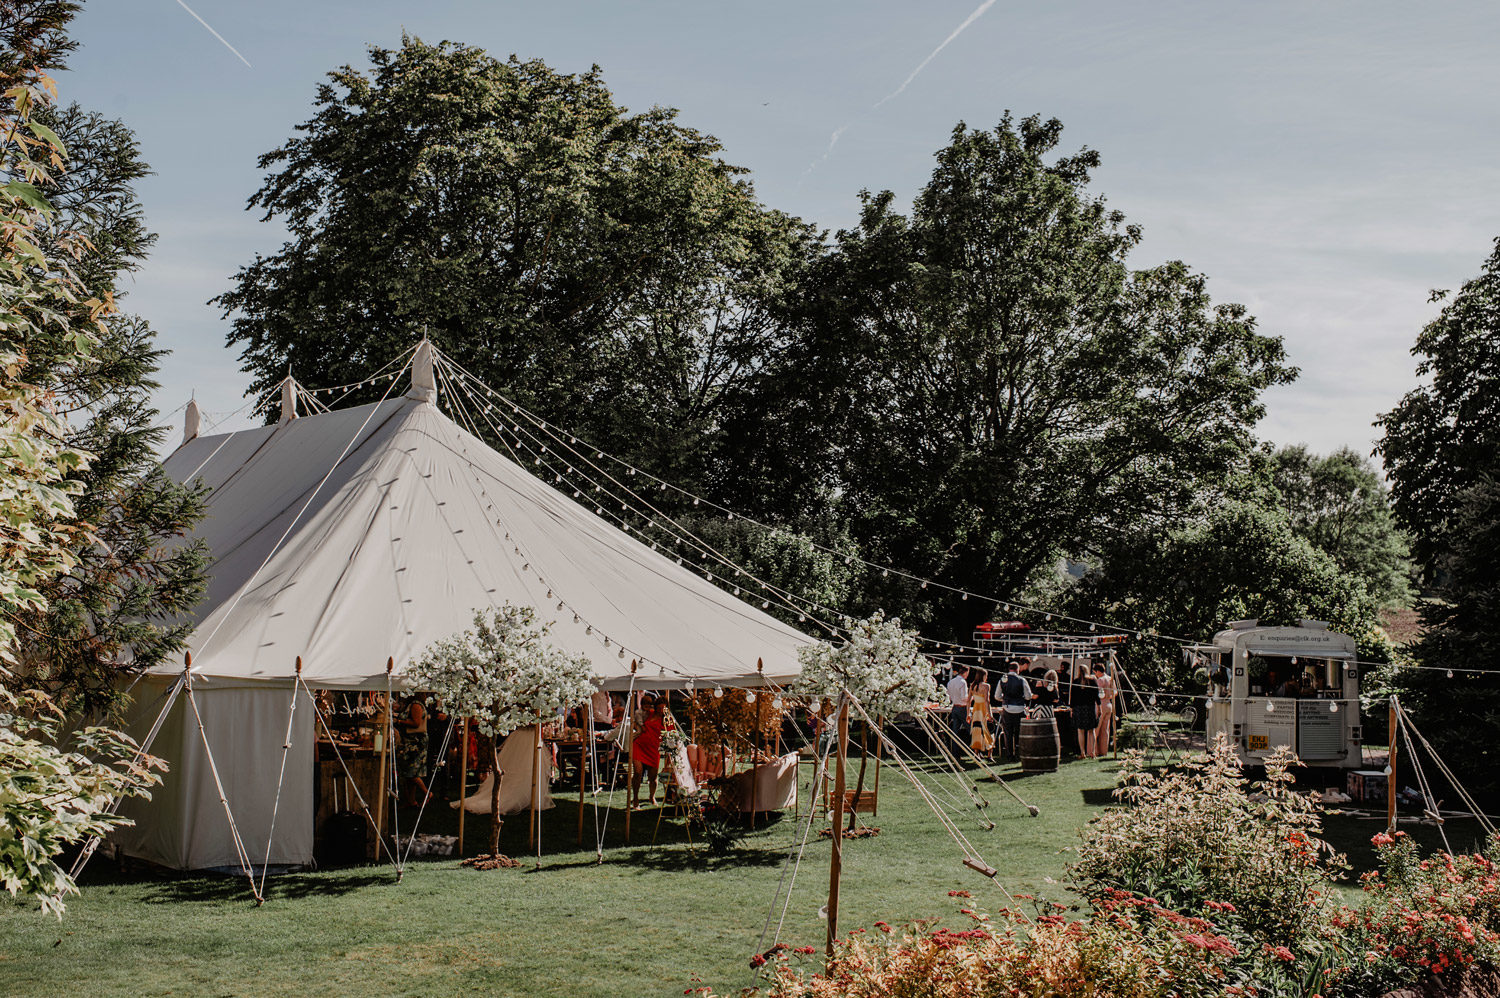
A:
[(881, 667), (504, 675)]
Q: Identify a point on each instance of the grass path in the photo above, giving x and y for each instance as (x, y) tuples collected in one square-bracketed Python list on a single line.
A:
[(641, 924)]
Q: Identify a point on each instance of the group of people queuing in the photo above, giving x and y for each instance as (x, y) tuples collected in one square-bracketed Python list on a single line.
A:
[(1085, 703)]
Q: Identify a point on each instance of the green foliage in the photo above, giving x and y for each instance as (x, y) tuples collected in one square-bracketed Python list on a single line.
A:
[(50, 796), (1461, 714), (1242, 560), (120, 608), (602, 267), (1204, 835), (1443, 437), (1339, 504), (995, 387)]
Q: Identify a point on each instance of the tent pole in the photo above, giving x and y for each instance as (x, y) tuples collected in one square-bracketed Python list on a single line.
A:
[(760, 721), (835, 867), (630, 754), (382, 791), (583, 769), (463, 784), (879, 741), (536, 790), (1390, 775)]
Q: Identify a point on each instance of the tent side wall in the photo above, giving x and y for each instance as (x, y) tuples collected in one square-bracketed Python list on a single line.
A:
[(183, 825)]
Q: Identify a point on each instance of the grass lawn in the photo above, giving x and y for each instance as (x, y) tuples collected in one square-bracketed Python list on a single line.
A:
[(640, 924)]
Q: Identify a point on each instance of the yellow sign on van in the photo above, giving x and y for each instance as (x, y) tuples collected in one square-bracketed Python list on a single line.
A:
[(1259, 743)]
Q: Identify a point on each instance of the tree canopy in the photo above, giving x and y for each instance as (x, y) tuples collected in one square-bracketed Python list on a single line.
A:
[(1444, 436), (1338, 503), (602, 267), (967, 391), (999, 388)]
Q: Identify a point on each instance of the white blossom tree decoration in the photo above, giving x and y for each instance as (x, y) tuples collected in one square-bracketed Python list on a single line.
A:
[(880, 664), (504, 675)]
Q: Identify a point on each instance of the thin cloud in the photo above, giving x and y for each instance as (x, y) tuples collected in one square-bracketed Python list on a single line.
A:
[(838, 133), (236, 51)]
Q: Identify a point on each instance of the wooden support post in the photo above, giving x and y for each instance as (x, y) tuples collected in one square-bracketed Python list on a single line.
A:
[(382, 784), (630, 702), (1390, 774), (463, 784), (760, 720), (583, 772), (879, 743), (534, 826), (835, 867)]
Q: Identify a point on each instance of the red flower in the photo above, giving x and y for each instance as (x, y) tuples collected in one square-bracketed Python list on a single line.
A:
[(1381, 839)]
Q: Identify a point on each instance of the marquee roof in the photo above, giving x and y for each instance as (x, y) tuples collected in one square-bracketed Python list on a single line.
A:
[(417, 525)]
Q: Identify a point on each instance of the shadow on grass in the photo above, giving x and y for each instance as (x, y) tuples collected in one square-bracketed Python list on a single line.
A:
[(285, 886)]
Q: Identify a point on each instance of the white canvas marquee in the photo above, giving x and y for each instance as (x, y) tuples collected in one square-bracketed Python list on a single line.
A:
[(362, 535)]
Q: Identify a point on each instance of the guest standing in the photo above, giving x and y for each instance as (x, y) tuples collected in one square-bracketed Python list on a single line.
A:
[(1083, 699), (981, 739), (958, 714), (1015, 694), (1107, 693)]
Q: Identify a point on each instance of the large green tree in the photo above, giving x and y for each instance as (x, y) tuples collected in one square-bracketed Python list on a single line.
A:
[(996, 387), (603, 267), (1443, 437), (56, 784), (1238, 560), (120, 608), (1339, 504)]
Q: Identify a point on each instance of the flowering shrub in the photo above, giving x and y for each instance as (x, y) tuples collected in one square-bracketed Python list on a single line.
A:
[(880, 665), (1125, 946), (1421, 916), (1203, 833)]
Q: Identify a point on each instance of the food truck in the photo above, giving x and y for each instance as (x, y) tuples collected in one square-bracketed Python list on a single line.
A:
[(1274, 686)]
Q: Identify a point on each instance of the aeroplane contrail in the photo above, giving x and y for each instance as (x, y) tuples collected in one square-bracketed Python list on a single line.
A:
[(236, 51), (976, 15), (838, 132)]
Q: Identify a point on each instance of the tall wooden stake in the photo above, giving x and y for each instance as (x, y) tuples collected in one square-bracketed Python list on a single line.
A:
[(879, 743), (760, 721), (463, 784), (1390, 775), (583, 773), (630, 701), (835, 868), (382, 785), (536, 784)]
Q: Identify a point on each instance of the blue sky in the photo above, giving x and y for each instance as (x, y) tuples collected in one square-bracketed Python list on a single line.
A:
[(1324, 163)]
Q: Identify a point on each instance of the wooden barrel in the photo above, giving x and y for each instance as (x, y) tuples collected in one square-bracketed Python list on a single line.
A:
[(1040, 745)]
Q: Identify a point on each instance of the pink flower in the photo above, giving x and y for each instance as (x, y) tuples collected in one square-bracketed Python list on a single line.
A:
[(1381, 839)]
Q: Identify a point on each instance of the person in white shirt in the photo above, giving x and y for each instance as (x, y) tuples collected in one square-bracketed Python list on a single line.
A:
[(958, 695)]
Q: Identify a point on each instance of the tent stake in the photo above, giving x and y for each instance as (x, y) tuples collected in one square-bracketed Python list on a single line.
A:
[(835, 867)]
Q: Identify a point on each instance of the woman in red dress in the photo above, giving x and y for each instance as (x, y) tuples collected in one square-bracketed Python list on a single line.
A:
[(645, 748)]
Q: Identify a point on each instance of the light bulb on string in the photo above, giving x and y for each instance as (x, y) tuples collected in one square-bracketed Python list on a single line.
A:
[(777, 703), (1450, 673), (1333, 708), (1270, 707), (814, 705), (718, 692), (966, 596), (750, 697)]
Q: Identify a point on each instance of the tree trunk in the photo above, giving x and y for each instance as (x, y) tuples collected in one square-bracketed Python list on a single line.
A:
[(495, 821), (859, 784)]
